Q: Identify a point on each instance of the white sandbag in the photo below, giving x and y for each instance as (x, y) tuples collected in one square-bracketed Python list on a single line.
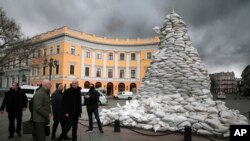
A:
[(147, 127), (156, 127), (226, 114), (204, 132), (159, 113)]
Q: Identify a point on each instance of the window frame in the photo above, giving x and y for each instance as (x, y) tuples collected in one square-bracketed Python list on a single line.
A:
[(123, 57), (70, 71), (73, 50), (86, 72), (97, 72), (150, 56), (132, 57)]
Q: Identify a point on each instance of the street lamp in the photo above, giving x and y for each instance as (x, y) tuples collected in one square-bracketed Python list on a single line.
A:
[(50, 63)]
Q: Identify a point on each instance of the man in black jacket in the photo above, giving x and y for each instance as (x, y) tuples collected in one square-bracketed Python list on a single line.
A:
[(92, 107), (58, 115), (15, 102), (72, 109)]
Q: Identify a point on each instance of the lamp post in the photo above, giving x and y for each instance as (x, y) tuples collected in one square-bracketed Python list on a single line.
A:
[(50, 63)]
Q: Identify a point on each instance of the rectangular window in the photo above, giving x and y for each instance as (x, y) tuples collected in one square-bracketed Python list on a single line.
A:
[(44, 52), (57, 69), (133, 74), (33, 54), (38, 70), (122, 56), (133, 56), (98, 72), (26, 61), (149, 57), (110, 73), (121, 73), (87, 54), (72, 50), (72, 69), (99, 55), (39, 53), (87, 71), (13, 63), (44, 69), (110, 56), (57, 49), (51, 51)]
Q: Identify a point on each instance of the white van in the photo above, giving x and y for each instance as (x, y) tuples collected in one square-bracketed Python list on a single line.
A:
[(102, 99), (125, 95), (29, 90)]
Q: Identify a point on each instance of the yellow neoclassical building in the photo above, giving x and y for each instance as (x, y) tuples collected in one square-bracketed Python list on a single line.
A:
[(112, 64)]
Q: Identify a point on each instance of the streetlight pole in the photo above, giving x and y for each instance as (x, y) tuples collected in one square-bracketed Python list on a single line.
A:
[(51, 63)]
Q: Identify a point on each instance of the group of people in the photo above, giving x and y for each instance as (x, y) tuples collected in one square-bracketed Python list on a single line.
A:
[(66, 109)]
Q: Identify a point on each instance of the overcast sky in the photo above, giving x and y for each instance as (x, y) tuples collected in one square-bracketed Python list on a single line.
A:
[(219, 29)]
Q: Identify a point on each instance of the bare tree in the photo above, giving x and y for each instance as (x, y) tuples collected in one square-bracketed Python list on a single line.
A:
[(12, 43)]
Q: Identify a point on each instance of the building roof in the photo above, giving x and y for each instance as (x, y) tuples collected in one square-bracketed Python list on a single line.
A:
[(66, 31)]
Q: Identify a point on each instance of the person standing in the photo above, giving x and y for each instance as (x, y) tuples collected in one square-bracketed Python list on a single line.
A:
[(92, 108), (72, 109), (58, 116), (42, 110), (15, 102)]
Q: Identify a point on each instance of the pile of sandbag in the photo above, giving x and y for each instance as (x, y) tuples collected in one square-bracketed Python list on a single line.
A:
[(175, 91)]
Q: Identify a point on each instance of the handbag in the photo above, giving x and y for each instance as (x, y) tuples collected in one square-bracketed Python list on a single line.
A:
[(28, 127)]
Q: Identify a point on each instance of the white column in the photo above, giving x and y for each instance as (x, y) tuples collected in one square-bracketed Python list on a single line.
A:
[(104, 64), (93, 63), (83, 64), (138, 65), (127, 64), (5, 82), (116, 64)]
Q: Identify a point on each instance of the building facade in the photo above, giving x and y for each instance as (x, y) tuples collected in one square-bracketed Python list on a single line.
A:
[(112, 64), (246, 81), (223, 81)]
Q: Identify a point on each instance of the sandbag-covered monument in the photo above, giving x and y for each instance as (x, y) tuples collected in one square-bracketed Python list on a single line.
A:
[(176, 90)]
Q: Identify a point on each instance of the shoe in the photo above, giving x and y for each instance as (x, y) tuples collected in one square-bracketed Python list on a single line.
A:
[(10, 136), (67, 138), (59, 139), (89, 131), (53, 137), (101, 131), (19, 134)]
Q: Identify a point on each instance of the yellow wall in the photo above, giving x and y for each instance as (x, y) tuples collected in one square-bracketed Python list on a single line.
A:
[(65, 58)]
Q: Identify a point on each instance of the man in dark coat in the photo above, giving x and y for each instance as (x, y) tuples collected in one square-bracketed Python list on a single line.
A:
[(56, 103), (15, 102), (92, 108), (72, 109), (42, 110)]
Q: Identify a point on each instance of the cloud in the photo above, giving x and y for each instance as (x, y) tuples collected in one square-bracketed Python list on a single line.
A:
[(219, 29)]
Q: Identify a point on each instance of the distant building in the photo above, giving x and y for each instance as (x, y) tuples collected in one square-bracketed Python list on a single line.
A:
[(246, 80), (223, 81)]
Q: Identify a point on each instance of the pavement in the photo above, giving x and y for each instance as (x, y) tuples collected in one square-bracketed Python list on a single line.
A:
[(125, 134)]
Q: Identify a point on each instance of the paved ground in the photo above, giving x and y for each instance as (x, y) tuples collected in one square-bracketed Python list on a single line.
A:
[(125, 135)]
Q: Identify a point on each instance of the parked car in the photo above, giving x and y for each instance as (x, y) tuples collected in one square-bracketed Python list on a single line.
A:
[(124, 95), (29, 91), (102, 99), (221, 95)]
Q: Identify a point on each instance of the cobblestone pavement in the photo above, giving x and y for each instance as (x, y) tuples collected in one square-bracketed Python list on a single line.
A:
[(125, 135)]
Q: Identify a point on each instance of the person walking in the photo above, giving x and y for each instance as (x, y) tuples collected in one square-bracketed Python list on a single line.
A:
[(58, 116), (72, 109), (15, 101), (92, 108), (42, 110)]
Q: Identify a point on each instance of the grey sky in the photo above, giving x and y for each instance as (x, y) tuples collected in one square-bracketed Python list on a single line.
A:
[(219, 29)]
